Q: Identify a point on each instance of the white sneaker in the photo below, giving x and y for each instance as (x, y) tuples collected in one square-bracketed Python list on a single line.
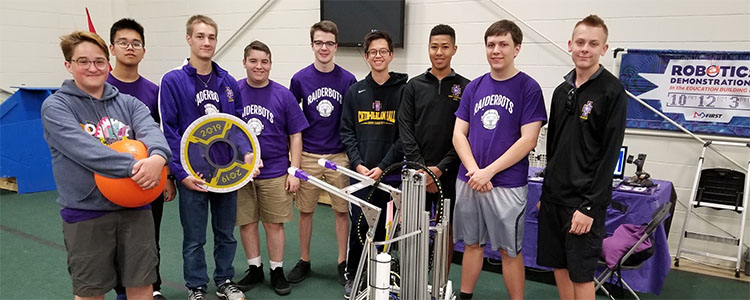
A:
[(196, 294), (229, 291)]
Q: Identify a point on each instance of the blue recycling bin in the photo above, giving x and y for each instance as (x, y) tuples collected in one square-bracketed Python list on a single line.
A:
[(24, 153)]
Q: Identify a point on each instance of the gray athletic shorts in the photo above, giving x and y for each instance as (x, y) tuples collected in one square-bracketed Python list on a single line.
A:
[(118, 245), (496, 216)]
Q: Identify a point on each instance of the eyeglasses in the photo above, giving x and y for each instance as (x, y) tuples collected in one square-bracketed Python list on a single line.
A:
[(383, 52), (569, 105), (83, 62), (137, 45), (319, 43)]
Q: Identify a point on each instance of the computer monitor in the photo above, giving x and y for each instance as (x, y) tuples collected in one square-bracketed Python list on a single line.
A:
[(620, 167)]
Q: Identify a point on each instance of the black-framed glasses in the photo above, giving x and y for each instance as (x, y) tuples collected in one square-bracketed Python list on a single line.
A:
[(319, 43), (84, 62), (137, 45), (382, 52), (570, 104)]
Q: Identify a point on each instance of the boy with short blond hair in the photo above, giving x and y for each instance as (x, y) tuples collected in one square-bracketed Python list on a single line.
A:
[(200, 87), (585, 133)]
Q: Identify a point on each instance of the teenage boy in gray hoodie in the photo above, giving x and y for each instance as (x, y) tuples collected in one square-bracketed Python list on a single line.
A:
[(104, 241)]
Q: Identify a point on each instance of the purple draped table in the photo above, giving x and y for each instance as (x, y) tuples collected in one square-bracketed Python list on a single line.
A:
[(630, 208)]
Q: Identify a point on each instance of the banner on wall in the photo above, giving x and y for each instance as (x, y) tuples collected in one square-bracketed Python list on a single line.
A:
[(707, 92)]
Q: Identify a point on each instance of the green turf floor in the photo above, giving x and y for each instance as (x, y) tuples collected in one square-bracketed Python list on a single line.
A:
[(32, 261)]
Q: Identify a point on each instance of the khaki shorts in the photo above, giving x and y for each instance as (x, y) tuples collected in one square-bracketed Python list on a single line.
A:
[(308, 194), (264, 200), (117, 245)]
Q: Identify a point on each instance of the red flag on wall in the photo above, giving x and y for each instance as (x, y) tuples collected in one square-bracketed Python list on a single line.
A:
[(92, 29), (91, 24)]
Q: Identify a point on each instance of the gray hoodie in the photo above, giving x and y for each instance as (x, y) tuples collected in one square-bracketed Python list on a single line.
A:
[(77, 126)]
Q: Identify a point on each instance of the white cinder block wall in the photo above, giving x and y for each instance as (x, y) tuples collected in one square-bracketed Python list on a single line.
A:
[(29, 54)]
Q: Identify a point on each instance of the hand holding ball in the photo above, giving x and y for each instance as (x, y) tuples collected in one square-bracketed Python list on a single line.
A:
[(124, 191)]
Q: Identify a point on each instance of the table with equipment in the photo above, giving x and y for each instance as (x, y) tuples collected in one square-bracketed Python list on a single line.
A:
[(627, 207)]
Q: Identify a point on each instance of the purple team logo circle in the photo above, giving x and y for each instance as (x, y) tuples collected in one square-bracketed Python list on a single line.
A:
[(256, 126), (490, 118), (325, 108)]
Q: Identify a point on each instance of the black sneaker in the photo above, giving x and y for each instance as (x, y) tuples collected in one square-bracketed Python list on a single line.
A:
[(196, 294), (159, 296), (342, 271), (279, 283), (299, 272), (253, 276)]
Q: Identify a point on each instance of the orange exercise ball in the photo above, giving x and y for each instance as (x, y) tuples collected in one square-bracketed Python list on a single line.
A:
[(124, 191)]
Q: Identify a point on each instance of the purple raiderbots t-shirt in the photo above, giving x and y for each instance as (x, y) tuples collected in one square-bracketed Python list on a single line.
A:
[(495, 111), (321, 95), (273, 115)]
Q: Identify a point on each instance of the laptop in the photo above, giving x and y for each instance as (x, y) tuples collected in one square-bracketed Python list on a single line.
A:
[(619, 173)]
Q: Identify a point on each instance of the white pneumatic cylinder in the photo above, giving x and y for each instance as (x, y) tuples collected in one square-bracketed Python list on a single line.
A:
[(382, 285)]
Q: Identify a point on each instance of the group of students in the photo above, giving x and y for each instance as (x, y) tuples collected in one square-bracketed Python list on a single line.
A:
[(475, 136)]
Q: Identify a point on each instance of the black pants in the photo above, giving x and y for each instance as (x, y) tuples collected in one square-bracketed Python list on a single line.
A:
[(157, 209), (432, 201), (358, 234)]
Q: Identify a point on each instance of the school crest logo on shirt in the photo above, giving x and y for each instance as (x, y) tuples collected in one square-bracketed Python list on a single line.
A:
[(230, 94), (455, 92), (490, 118), (376, 105), (325, 108), (586, 110), (256, 126)]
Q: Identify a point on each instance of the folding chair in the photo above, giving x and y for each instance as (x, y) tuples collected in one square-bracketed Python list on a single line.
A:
[(623, 264)]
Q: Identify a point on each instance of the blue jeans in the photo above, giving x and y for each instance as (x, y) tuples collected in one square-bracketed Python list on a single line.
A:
[(194, 208)]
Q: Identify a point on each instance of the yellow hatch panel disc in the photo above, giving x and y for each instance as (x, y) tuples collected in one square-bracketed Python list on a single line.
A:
[(213, 148)]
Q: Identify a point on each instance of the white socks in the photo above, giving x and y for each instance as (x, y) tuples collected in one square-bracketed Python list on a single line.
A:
[(276, 264), (255, 261)]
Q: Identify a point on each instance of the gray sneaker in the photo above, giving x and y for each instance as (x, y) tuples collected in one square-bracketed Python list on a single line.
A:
[(348, 289), (196, 294), (229, 291)]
